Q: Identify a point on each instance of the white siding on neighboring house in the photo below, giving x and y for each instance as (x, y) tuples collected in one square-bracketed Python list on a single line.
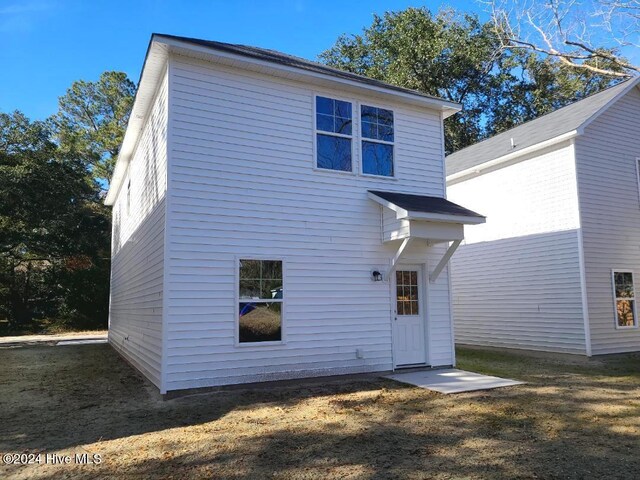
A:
[(135, 316), (242, 184), (516, 279), (610, 208)]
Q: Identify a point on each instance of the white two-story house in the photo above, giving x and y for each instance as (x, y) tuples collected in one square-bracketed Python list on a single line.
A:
[(557, 265), (275, 218)]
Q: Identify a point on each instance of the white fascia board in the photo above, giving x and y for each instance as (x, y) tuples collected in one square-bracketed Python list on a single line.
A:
[(439, 217), (448, 108), (400, 212), (479, 169)]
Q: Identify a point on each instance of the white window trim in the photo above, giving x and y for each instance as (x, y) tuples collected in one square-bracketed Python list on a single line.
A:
[(236, 309), (373, 140), (352, 137), (615, 299)]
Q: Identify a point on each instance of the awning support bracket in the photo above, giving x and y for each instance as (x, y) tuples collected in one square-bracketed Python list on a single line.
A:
[(433, 276), (396, 259)]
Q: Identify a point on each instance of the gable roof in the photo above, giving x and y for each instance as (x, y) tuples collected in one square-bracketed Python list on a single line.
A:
[(285, 59), (559, 125), (425, 207), (253, 58)]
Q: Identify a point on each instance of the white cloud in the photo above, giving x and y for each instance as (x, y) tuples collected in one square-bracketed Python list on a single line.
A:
[(20, 17)]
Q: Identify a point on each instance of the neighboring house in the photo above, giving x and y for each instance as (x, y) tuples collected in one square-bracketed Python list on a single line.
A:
[(557, 265), (275, 218)]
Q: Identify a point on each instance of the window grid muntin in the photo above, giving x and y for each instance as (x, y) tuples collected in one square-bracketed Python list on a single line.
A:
[(373, 119)]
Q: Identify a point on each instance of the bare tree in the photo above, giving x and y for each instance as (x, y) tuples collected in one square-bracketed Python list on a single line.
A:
[(587, 34)]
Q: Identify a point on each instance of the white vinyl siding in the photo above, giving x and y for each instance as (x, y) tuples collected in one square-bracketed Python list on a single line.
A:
[(520, 293), (516, 279), (137, 269), (606, 163), (242, 185), (535, 194)]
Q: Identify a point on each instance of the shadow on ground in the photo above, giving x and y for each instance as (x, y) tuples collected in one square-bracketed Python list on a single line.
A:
[(574, 419)]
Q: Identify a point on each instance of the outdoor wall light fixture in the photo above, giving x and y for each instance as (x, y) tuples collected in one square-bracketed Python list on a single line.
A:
[(376, 276)]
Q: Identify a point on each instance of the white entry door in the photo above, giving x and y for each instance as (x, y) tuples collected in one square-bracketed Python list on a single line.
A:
[(408, 318)]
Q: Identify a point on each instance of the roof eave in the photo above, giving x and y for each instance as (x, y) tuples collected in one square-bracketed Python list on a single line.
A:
[(476, 170), (150, 77), (402, 213), (632, 84), (447, 107), (479, 169)]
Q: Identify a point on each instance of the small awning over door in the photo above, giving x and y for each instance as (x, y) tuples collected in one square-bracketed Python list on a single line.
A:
[(407, 217)]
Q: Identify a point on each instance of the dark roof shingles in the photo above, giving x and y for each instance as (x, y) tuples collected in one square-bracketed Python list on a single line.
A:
[(425, 204), (533, 132)]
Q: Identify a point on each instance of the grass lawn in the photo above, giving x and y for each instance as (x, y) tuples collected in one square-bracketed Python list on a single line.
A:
[(576, 418)]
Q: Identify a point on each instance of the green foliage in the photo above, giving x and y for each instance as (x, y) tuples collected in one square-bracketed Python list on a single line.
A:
[(457, 57), (54, 230), (537, 86), (92, 119)]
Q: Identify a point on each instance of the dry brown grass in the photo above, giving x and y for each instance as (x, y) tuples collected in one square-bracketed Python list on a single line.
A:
[(574, 419)]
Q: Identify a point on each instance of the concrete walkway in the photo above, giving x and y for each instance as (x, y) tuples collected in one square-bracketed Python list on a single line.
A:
[(451, 380), (73, 338)]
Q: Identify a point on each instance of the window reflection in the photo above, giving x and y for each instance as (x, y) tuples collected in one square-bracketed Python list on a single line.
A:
[(334, 119), (261, 295)]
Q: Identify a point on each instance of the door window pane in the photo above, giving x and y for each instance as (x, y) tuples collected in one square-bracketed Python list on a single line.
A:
[(407, 296)]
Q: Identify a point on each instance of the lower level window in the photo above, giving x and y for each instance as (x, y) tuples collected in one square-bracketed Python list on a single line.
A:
[(625, 299), (261, 295)]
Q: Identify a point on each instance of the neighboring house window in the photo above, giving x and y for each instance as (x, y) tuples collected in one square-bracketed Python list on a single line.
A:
[(625, 299), (333, 134), (260, 301), (638, 173), (128, 197), (377, 141)]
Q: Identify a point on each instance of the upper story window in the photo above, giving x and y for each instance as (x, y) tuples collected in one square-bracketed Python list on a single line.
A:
[(333, 134), (625, 299), (377, 141)]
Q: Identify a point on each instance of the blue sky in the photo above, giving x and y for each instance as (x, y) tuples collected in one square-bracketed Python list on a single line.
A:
[(45, 45)]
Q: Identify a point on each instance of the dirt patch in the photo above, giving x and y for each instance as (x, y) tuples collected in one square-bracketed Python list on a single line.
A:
[(51, 339), (575, 420)]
